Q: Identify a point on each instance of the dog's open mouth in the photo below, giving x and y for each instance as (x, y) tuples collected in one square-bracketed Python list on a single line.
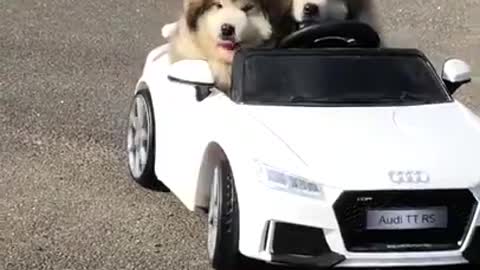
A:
[(229, 45), (227, 50)]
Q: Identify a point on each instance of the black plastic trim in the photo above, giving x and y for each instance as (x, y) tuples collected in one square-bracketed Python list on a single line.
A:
[(472, 253), (301, 245), (290, 239), (324, 261), (453, 87)]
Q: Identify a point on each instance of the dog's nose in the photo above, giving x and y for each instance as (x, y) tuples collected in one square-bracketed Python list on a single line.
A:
[(310, 9), (227, 30)]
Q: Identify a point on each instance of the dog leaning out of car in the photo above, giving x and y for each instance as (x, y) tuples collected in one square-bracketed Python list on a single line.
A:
[(213, 30)]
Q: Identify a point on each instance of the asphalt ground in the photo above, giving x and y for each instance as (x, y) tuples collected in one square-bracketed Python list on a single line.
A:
[(67, 72)]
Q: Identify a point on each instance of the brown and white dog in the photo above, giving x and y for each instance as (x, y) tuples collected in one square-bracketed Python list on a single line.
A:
[(213, 30)]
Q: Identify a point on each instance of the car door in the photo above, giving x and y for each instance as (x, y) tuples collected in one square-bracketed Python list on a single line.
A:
[(178, 132)]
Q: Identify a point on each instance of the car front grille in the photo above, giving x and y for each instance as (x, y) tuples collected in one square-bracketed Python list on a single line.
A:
[(351, 212)]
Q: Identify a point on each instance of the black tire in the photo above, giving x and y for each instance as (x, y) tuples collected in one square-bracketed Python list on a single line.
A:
[(147, 178), (225, 255)]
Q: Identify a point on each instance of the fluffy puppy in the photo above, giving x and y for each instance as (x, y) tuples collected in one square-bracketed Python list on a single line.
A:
[(288, 16), (213, 30), (317, 11)]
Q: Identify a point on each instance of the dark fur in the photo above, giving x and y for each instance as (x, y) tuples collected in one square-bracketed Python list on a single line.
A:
[(279, 12), (194, 10)]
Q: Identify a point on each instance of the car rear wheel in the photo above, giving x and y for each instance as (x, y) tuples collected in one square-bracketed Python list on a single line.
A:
[(141, 142), (223, 220)]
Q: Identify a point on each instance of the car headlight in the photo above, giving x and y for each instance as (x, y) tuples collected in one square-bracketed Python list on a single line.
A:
[(285, 181)]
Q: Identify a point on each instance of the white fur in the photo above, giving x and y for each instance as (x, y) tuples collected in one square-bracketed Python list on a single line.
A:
[(227, 15), (264, 29), (168, 29)]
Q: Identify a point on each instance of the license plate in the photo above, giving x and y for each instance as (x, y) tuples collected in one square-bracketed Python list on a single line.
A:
[(409, 219)]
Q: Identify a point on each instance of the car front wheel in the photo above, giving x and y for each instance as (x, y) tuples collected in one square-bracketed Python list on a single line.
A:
[(223, 220), (141, 142)]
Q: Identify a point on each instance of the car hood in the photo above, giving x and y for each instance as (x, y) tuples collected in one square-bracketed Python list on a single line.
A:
[(356, 148)]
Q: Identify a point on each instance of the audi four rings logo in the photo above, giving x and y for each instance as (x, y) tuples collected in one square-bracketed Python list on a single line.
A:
[(409, 177)]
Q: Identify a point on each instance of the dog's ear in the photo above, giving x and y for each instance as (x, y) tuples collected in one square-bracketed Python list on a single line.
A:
[(359, 8), (276, 8), (364, 11), (193, 10)]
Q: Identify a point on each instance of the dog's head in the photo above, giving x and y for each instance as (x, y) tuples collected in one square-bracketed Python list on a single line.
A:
[(315, 11), (226, 25)]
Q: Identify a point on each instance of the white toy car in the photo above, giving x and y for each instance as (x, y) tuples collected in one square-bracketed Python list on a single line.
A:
[(329, 152)]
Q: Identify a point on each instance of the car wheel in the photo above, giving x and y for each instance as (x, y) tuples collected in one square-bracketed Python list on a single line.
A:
[(223, 220), (141, 142)]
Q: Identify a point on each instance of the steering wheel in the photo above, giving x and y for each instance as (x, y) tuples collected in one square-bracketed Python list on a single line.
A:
[(333, 34)]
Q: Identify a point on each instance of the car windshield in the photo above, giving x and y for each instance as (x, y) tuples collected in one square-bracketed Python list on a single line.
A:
[(323, 80)]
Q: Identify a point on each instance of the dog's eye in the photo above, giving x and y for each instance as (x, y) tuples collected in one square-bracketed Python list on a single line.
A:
[(218, 5), (247, 7)]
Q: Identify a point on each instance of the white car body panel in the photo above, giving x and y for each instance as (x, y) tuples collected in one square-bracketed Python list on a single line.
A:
[(341, 149)]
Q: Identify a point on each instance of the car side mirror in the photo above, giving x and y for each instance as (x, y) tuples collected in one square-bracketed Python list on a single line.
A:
[(455, 74), (193, 72)]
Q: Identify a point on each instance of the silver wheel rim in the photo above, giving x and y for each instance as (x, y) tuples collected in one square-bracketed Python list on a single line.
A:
[(212, 214), (137, 141)]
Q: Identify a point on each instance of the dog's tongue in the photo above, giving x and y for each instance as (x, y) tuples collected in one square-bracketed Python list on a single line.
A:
[(228, 45), (228, 50)]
